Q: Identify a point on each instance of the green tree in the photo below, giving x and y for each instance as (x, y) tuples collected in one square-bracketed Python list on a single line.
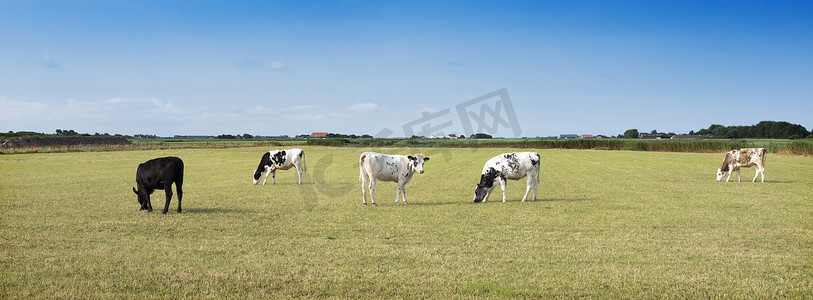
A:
[(631, 134)]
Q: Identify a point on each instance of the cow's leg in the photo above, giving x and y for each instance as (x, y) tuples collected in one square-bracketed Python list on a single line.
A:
[(147, 201), (738, 176), (180, 194), (528, 187), (729, 175), (168, 192), (299, 170), (372, 191), (760, 170), (267, 172), (403, 193), (488, 193), (535, 184), (502, 186), (142, 201), (274, 176), (397, 193)]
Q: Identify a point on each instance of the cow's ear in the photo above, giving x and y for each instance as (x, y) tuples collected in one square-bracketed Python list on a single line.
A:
[(134, 191), (411, 157), (425, 159)]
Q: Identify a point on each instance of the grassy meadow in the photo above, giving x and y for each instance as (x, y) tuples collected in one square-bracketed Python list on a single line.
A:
[(607, 224)]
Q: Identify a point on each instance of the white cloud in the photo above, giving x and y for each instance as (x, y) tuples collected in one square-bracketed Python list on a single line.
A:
[(20, 110), (259, 110), (307, 116), (364, 107), (303, 107), (115, 100), (166, 106)]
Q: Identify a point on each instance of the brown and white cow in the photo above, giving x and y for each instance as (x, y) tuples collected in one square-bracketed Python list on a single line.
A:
[(736, 159), (397, 168)]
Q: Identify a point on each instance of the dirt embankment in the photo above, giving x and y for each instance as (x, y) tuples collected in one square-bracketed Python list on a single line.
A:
[(47, 141)]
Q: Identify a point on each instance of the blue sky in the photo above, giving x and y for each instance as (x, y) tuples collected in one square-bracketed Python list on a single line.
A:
[(363, 67)]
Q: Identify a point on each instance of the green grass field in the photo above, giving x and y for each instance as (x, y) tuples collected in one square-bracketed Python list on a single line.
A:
[(608, 224)]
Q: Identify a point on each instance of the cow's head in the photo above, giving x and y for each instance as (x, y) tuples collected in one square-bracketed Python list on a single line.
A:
[(257, 176), (140, 197), (720, 175), (486, 184), (416, 162), (259, 173), (480, 193)]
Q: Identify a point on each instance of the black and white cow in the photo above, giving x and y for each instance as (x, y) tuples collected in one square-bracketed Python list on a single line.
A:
[(505, 166), (736, 159), (397, 168), (280, 160), (159, 173)]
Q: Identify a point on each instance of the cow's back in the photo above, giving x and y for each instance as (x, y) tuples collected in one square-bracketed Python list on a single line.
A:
[(152, 172), (285, 159), (750, 156), (383, 166), (515, 165)]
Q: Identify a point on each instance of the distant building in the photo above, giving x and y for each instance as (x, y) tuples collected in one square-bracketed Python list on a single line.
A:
[(319, 135), (691, 136), (568, 136), (587, 136), (649, 136)]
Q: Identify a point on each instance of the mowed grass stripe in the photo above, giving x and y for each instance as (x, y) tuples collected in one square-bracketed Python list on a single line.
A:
[(606, 224)]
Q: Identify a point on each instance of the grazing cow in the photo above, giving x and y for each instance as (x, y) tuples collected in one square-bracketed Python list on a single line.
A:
[(512, 166), (736, 159), (397, 168), (159, 173), (280, 160)]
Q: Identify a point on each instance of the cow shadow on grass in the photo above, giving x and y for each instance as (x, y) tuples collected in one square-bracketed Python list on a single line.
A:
[(564, 200), (779, 181), (436, 203), (215, 210), (498, 202)]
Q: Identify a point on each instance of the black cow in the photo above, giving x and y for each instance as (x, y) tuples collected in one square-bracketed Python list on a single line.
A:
[(159, 173)]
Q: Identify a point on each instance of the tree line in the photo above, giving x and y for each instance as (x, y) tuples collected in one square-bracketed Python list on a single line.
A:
[(762, 130)]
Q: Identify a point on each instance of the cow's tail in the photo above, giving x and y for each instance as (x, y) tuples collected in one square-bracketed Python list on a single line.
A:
[(539, 167), (179, 176), (304, 165), (762, 155), (361, 167)]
